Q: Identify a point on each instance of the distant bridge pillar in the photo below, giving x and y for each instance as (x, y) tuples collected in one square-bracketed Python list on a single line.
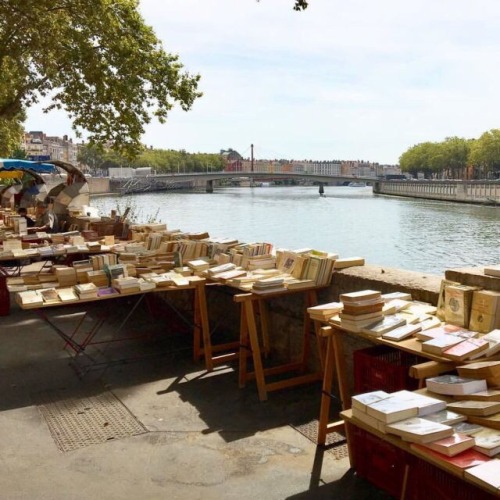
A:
[(210, 186), (321, 188)]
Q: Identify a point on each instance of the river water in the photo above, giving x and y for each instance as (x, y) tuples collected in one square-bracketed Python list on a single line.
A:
[(413, 234)]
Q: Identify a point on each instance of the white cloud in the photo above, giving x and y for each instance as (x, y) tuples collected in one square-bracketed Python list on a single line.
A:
[(363, 79)]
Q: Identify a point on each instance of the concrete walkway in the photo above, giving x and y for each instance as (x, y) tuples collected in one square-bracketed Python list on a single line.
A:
[(187, 434)]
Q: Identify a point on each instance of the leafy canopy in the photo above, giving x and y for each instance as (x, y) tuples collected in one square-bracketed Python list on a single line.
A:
[(95, 59)]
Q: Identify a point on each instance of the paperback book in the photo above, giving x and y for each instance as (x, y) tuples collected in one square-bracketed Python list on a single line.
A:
[(453, 384)]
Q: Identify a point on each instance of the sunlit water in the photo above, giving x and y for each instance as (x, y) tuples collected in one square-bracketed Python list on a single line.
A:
[(413, 234)]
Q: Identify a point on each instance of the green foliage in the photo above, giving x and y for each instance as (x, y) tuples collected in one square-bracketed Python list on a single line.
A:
[(449, 158), (97, 60), (135, 213), (160, 160), (300, 5), (485, 153)]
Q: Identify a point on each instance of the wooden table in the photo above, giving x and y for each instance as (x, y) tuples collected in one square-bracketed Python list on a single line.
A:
[(405, 467), (255, 305), (202, 346), (336, 367)]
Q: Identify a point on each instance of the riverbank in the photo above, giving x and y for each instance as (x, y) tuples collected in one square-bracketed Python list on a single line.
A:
[(475, 192)]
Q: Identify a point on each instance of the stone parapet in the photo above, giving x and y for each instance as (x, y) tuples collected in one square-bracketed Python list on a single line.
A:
[(480, 192)]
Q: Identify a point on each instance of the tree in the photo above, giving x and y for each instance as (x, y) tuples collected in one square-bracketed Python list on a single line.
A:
[(455, 151), (97, 60), (423, 157), (485, 153)]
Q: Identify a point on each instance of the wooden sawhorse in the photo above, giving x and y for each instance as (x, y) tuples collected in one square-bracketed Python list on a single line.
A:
[(249, 341)]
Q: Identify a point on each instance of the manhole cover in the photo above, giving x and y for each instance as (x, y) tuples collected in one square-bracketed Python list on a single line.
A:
[(78, 420), (335, 442)]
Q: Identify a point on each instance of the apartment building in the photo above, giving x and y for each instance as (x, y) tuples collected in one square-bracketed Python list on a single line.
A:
[(39, 146)]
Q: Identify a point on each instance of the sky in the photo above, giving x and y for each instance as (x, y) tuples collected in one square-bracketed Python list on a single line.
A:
[(343, 80)]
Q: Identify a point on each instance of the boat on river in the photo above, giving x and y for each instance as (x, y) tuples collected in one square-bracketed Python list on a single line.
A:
[(357, 184)]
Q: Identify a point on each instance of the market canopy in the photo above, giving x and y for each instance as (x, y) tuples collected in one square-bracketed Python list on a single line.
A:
[(41, 168), (11, 174)]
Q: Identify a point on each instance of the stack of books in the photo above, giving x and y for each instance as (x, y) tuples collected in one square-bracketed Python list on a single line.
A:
[(66, 276), (382, 410), (67, 295), (86, 290), (324, 312), (126, 285), (49, 296), (198, 265), (360, 309), (99, 278), (269, 284)]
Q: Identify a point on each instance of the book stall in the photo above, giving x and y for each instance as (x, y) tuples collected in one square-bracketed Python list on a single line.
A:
[(435, 434)]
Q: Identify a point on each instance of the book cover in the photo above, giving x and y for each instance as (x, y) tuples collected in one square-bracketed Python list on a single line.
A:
[(458, 301), (361, 401), (386, 324), (419, 430), (437, 331), (488, 441), (402, 332), (464, 460), (440, 344), (446, 417), (467, 428), (362, 295), (105, 291), (392, 409), (50, 296), (486, 475), (485, 311)]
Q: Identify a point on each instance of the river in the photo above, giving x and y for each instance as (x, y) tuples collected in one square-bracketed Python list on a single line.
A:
[(413, 234)]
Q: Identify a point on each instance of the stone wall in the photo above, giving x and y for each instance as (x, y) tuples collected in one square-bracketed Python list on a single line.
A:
[(287, 312), (480, 192)]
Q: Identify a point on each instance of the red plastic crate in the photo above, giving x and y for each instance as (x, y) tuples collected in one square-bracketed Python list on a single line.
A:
[(384, 368), (426, 481), (377, 461)]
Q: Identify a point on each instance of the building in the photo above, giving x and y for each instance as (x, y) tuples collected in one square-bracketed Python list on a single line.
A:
[(41, 147)]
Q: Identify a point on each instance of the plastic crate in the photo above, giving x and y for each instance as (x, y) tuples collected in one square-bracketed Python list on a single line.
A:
[(377, 461), (383, 368), (426, 481)]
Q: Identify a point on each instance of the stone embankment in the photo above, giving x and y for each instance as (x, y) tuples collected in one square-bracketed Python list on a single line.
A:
[(478, 192)]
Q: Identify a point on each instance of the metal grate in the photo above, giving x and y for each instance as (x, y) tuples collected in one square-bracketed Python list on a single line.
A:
[(76, 421), (335, 442)]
